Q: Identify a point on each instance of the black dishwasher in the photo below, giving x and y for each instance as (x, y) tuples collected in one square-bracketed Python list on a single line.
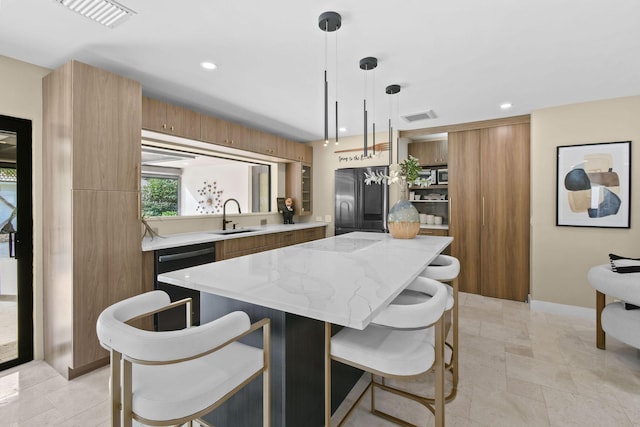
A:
[(176, 258)]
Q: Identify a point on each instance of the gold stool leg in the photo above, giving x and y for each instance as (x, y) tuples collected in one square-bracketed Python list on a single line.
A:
[(600, 336), (116, 389), (454, 341)]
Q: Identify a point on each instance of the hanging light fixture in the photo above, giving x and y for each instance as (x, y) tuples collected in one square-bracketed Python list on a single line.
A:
[(391, 90), (366, 64), (329, 22)]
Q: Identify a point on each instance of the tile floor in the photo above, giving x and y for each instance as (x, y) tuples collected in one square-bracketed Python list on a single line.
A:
[(518, 368), (8, 330)]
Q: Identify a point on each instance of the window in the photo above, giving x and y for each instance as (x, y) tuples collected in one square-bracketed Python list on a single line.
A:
[(160, 195), (177, 182)]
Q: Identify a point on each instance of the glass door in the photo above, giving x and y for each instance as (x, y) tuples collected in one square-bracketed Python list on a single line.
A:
[(16, 247)]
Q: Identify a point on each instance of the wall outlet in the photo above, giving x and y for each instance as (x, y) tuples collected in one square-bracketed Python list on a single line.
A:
[(327, 218), (263, 222), (319, 219)]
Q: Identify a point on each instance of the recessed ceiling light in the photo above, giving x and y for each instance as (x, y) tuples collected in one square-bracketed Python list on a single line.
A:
[(106, 12), (505, 105), (208, 65)]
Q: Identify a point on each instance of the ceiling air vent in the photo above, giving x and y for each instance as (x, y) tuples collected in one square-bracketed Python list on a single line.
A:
[(106, 12), (420, 116)]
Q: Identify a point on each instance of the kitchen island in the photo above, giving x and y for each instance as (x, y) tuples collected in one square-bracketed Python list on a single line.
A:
[(344, 280)]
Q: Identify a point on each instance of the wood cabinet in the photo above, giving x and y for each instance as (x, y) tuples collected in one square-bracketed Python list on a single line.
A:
[(299, 152), (299, 187), (171, 119), (433, 232), (222, 132), (430, 153), (232, 248), (91, 181), (166, 118), (489, 205), (269, 144)]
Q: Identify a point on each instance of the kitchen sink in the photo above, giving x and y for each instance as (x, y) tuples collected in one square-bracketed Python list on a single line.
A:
[(234, 231)]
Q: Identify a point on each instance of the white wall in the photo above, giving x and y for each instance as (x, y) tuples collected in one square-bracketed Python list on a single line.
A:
[(562, 256), (21, 96), (230, 181)]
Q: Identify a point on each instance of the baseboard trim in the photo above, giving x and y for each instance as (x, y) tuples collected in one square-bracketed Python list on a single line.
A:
[(563, 309)]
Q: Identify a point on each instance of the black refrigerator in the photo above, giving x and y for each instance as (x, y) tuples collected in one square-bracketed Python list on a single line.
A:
[(358, 206)]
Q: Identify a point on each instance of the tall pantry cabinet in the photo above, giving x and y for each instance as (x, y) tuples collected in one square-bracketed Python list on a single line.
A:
[(91, 179), (490, 215)]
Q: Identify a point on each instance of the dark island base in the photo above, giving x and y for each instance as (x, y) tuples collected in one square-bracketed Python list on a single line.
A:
[(297, 370)]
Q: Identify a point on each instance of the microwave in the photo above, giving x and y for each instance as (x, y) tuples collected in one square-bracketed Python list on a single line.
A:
[(443, 176)]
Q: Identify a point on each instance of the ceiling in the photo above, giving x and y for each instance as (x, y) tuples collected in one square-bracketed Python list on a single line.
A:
[(459, 58)]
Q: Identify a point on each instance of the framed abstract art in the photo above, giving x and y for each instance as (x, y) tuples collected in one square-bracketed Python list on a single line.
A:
[(593, 186)]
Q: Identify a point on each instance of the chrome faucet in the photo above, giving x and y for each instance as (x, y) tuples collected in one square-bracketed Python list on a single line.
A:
[(224, 212)]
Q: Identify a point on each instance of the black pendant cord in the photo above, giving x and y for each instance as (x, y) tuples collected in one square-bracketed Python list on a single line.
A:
[(336, 85), (374, 137), (326, 108), (329, 22), (373, 94), (366, 64), (365, 128), (326, 87), (392, 90), (336, 122), (390, 142)]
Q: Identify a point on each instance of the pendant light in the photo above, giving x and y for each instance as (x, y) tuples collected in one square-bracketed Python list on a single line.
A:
[(366, 64), (329, 22), (391, 90)]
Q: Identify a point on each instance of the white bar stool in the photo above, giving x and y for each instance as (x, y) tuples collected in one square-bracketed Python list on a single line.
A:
[(446, 268), (409, 345), (613, 318), (443, 268), (175, 377)]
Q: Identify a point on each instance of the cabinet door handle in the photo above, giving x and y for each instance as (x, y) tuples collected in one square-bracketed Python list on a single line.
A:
[(12, 238)]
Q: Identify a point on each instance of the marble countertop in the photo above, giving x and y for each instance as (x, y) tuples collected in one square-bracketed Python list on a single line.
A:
[(345, 280), (184, 239)]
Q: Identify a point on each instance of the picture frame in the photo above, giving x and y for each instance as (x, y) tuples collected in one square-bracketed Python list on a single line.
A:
[(280, 204), (593, 185), (443, 176)]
